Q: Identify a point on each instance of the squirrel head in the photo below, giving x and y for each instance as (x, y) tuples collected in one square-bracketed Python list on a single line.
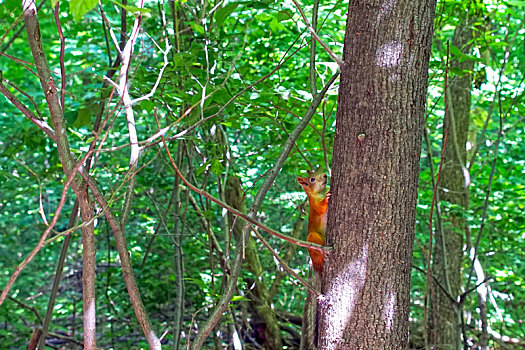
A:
[(315, 182)]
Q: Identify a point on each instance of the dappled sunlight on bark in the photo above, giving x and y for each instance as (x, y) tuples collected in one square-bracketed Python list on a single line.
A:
[(389, 55), (341, 297), (389, 309)]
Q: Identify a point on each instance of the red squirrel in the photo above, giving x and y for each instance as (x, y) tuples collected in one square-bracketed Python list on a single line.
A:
[(314, 185)]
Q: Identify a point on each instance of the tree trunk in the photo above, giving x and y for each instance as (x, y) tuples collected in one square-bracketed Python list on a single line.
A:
[(448, 248), (380, 120)]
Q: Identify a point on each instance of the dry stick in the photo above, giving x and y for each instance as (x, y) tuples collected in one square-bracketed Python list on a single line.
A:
[(222, 305), (123, 90), (428, 284)]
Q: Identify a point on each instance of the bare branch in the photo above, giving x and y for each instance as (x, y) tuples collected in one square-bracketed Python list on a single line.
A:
[(30, 115), (336, 58)]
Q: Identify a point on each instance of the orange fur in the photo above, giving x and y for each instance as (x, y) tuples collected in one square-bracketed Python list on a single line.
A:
[(314, 185)]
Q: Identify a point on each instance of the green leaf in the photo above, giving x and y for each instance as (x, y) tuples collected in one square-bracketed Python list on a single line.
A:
[(455, 51), (516, 3), (284, 15), (147, 105), (276, 26), (83, 118), (222, 13), (216, 167), (133, 9), (197, 28), (79, 8), (239, 298)]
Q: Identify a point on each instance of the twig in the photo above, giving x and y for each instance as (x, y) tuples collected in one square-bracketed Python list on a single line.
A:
[(314, 34), (30, 115), (163, 131), (234, 211), (41, 242), (27, 307), (283, 264)]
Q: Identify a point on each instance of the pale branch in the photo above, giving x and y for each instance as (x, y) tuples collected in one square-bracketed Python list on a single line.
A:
[(165, 52), (123, 89)]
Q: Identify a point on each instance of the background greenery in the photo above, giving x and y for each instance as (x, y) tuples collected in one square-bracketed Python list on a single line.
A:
[(220, 50)]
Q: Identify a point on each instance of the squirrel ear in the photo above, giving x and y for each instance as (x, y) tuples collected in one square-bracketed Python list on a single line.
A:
[(310, 172), (302, 181)]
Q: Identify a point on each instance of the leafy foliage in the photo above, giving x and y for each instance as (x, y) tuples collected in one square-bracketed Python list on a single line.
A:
[(236, 84)]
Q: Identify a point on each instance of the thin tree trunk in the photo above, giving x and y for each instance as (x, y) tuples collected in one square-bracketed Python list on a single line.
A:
[(68, 164), (371, 218)]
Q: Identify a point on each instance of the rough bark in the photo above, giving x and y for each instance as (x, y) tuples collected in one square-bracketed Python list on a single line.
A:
[(448, 248), (371, 220)]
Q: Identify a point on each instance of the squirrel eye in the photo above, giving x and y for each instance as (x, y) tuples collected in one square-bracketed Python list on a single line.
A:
[(325, 176), (312, 179)]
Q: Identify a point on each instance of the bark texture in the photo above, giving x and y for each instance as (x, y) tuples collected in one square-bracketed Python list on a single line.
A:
[(448, 248), (380, 120)]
